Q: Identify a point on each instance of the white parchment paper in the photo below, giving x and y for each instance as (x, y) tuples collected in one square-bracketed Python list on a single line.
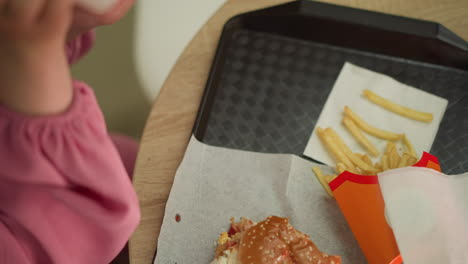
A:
[(428, 212), (347, 91), (214, 184)]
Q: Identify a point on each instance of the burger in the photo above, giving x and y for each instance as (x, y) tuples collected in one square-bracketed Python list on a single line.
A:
[(272, 241)]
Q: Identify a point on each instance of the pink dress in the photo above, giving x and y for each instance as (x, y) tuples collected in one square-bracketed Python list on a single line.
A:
[(65, 196)]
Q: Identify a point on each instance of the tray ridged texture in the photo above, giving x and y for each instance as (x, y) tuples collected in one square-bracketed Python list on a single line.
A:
[(273, 88)]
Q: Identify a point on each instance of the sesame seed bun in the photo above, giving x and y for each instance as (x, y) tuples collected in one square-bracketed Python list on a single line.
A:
[(275, 241)]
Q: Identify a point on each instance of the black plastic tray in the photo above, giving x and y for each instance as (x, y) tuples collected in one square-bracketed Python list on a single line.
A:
[(275, 67)]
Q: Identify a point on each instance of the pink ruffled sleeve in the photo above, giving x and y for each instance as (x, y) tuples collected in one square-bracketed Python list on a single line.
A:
[(65, 196)]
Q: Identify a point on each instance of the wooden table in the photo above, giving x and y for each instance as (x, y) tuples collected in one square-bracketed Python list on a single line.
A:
[(170, 123)]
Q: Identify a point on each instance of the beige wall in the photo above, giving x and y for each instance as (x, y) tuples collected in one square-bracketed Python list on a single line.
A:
[(110, 71)]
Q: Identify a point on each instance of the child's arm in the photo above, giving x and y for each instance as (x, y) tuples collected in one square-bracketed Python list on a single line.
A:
[(34, 72), (64, 194)]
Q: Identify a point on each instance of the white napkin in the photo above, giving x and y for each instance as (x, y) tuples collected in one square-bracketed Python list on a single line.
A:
[(347, 91), (214, 184), (428, 212)]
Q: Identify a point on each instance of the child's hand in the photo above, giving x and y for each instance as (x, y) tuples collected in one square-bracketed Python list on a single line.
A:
[(29, 23), (34, 73)]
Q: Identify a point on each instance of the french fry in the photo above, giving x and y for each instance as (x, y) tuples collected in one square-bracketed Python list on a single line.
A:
[(329, 178), (392, 155), (340, 167), (333, 148), (409, 146), (411, 161), (404, 160), (359, 155), (367, 160), (390, 160), (377, 132), (359, 171), (378, 166), (398, 109), (364, 158), (396, 159), (366, 173), (347, 151), (390, 147), (384, 162), (318, 173), (360, 137)]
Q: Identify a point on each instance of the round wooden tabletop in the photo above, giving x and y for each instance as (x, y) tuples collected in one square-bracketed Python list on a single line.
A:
[(170, 123)]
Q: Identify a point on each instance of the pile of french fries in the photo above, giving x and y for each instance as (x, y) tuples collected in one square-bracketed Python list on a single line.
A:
[(347, 160)]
